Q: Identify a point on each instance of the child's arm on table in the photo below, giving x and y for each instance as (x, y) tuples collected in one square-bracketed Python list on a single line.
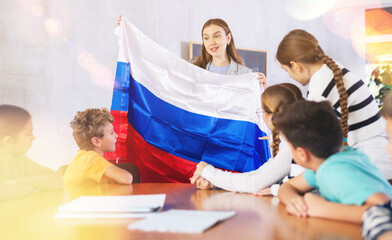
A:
[(291, 194), (269, 173), (314, 205), (320, 207), (44, 182), (198, 180), (119, 175), (11, 190), (39, 177)]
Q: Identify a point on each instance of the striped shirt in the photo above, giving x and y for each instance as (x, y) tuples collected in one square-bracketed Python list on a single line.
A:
[(364, 119)]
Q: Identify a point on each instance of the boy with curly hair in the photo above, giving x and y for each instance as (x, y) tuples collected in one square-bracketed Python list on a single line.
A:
[(93, 133)]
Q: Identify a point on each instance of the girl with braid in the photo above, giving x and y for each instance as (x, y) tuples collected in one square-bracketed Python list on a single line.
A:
[(302, 57), (274, 100)]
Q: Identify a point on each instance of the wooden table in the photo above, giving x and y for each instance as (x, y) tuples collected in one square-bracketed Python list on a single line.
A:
[(256, 217)]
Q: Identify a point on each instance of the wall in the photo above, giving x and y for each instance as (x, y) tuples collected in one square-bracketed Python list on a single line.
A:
[(57, 67)]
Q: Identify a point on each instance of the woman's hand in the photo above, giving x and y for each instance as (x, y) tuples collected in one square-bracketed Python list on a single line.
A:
[(262, 79), (118, 21)]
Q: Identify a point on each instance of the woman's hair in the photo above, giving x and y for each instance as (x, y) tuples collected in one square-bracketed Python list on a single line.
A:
[(274, 99), (231, 51), (89, 124), (301, 46), (12, 120)]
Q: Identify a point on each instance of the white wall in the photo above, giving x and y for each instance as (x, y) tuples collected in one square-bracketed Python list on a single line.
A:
[(55, 76)]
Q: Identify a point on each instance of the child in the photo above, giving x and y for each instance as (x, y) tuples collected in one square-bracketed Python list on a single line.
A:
[(19, 175), (346, 178), (302, 57), (274, 100), (377, 220), (93, 132), (386, 112)]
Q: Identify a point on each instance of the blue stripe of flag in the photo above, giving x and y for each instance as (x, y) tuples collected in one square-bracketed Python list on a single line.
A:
[(224, 143)]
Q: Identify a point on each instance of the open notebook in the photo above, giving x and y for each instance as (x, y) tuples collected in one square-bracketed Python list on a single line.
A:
[(90, 207)]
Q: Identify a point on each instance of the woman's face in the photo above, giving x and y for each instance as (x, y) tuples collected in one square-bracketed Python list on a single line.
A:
[(215, 40)]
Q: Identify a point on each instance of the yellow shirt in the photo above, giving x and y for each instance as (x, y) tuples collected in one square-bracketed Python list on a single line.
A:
[(87, 167)]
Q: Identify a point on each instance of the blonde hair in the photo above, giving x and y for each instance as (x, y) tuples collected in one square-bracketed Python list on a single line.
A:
[(231, 51), (89, 124), (274, 100), (301, 46)]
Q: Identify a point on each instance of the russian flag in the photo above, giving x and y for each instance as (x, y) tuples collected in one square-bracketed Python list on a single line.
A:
[(171, 114)]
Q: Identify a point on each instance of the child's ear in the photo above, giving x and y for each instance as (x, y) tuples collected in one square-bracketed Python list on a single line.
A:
[(96, 142), (295, 67), (303, 155), (7, 141)]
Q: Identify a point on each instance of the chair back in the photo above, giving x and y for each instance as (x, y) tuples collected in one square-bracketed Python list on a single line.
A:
[(132, 169)]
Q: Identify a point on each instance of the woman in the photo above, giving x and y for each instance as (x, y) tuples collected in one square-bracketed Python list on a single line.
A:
[(218, 51)]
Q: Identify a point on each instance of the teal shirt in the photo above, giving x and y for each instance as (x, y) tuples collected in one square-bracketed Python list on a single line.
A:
[(348, 177)]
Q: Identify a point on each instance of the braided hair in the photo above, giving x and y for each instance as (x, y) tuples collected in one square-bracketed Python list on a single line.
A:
[(274, 99), (301, 46)]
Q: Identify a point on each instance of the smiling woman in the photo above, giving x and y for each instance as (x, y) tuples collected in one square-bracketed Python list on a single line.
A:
[(218, 48), (218, 51)]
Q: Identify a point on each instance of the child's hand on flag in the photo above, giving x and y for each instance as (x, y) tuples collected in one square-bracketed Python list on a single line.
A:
[(265, 138)]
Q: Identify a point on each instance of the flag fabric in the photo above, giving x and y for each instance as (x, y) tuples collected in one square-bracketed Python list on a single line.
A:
[(171, 114)]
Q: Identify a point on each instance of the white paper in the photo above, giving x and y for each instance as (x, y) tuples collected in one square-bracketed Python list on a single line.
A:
[(115, 204), (66, 215), (181, 221)]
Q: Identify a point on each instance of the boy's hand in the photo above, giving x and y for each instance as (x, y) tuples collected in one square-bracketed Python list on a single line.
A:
[(315, 204), (297, 206), (264, 192)]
